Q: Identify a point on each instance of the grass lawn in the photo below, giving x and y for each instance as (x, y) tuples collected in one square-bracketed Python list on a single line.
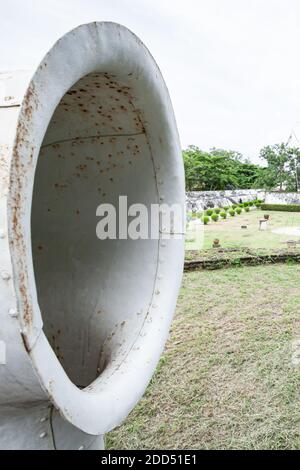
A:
[(229, 377), (231, 234)]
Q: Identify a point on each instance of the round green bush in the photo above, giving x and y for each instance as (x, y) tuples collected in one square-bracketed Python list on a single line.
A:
[(225, 208), (217, 210), (250, 203), (234, 206), (241, 204), (232, 212), (209, 212), (223, 214), (205, 219), (238, 210), (215, 217), (258, 204), (246, 204), (247, 209)]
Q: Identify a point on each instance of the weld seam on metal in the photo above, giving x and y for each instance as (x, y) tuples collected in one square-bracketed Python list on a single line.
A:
[(97, 136), (172, 233), (32, 344), (51, 427), (10, 106)]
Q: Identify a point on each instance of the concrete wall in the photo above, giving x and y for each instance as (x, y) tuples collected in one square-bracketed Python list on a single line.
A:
[(282, 198), (198, 201)]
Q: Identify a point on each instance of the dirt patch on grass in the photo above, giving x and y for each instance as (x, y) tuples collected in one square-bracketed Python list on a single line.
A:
[(230, 257)]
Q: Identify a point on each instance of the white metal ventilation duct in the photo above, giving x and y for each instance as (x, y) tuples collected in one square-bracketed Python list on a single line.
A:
[(83, 321)]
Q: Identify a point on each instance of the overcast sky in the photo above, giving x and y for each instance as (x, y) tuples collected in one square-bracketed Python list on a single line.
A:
[(232, 66)]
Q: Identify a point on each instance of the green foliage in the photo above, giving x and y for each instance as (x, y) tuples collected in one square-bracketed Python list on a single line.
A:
[(209, 212), (232, 212), (283, 167), (217, 169), (221, 169), (215, 217), (205, 219), (217, 210), (223, 214), (238, 210), (226, 208), (246, 204), (250, 203), (234, 206), (241, 204), (281, 207), (247, 209), (276, 156)]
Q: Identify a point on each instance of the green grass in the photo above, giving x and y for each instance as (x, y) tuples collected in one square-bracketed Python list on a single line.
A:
[(226, 379), (231, 234)]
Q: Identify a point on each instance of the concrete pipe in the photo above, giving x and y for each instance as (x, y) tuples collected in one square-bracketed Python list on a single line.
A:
[(83, 320)]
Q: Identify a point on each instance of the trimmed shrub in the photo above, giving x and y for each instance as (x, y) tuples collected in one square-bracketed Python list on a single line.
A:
[(238, 210), (217, 210), (234, 206), (281, 207), (247, 209), (241, 204), (215, 217), (223, 214), (257, 204), (260, 201), (246, 204), (232, 212), (250, 203), (209, 212), (205, 219), (226, 208)]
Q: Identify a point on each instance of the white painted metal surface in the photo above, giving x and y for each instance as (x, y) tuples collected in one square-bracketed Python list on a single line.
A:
[(84, 321)]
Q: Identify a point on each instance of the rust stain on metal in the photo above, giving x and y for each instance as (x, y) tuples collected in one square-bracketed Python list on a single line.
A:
[(18, 173)]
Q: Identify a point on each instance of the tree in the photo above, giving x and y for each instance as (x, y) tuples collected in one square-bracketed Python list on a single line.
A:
[(221, 169), (294, 168), (217, 169), (278, 158), (266, 178), (247, 174)]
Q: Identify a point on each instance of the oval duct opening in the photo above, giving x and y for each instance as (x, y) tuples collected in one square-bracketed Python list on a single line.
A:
[(94, 151)]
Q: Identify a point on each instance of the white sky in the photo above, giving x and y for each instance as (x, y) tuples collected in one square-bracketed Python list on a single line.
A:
[(231, 66)]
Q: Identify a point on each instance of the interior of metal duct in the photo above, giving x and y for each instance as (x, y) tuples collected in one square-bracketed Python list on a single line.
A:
[(93, 294)]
